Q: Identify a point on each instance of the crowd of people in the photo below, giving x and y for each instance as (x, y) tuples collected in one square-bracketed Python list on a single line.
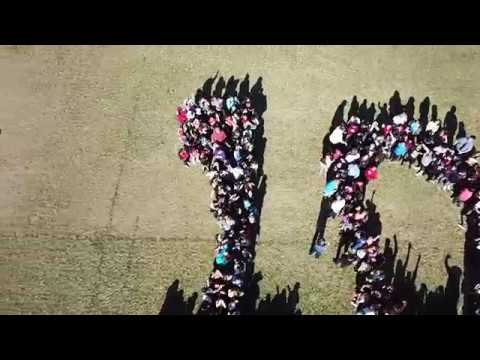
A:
[(352, 154), (219, 133)]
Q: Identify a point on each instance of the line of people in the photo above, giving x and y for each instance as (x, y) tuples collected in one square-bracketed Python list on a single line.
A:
[(352, 153), (219, 133)]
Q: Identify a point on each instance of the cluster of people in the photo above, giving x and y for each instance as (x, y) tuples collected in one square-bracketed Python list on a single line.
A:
[(219, 133), (354, 150)]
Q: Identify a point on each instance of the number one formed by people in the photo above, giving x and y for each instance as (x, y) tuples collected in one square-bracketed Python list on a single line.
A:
[(219, 133)]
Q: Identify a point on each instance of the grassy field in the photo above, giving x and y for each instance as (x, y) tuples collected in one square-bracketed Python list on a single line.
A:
[(99, 216)]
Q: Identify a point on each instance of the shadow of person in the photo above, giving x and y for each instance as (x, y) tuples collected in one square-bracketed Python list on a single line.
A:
[(354, 107), (382, 117), (207, 86), (190, 303), (293, 299), (452, 288), (410, 108), (252, 294), (326, 145), (244, 88), (424, 109), (441, 301), (451, 123), (258, 98), (362, 110), (421, 300), (461, 130), (434, 301), (219, 87), (264, 304), (395, 104), (390, 256), (400, 270), (434, 113), (344, 240), (284, 302), (279, 302), (403, 281), (175, 304), (444, 299), (338, 117), (231, 87), (409, 289), (374, 224), (370, 115), (198, 95)]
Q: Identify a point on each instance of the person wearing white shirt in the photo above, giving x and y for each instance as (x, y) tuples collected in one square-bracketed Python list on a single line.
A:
[(336, 137), (433, 126), (400, 119)]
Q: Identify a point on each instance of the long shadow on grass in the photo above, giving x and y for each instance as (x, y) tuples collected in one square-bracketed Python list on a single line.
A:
[(420, 301), (259, 101), (175, 303), (443, 300), (283, 302)]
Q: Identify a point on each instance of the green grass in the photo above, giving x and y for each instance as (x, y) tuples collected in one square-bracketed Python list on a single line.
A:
[(72, 117)]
